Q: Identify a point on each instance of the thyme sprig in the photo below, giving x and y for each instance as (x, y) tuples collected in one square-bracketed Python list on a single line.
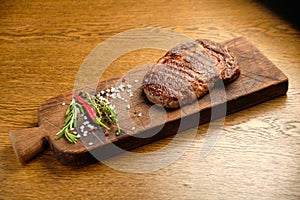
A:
[(70, 122), (104, 108), (109, 112)]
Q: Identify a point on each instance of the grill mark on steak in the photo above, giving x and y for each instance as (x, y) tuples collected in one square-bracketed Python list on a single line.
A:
[(187, 72), (192, 79), (197, 59), (162, 74)]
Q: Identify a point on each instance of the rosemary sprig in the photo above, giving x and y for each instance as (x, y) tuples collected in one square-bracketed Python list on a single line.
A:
[(70, 123)]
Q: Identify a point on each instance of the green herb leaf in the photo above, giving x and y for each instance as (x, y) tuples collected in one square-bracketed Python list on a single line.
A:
[(70, 123)]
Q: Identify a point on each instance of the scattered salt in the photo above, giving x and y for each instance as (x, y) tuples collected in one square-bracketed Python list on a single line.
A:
[(91, 143), (63, 103), (140, 114), (128, 107), (133, 128), (136, 80)]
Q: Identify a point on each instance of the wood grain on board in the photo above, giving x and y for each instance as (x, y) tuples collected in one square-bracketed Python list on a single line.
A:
[(260, 80)]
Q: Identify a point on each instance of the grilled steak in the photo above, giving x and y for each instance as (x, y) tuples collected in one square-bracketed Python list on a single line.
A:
[(189, 71)]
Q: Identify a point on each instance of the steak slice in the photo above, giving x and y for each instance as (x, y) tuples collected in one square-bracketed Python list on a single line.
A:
[(188, 71)]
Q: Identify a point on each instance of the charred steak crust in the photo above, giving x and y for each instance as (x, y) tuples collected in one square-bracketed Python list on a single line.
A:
[(188, 71)]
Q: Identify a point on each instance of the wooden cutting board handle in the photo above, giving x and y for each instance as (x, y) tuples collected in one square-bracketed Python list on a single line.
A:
[(29, 142)]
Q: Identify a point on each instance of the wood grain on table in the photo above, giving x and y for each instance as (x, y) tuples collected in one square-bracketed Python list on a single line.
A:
[(43, 44)]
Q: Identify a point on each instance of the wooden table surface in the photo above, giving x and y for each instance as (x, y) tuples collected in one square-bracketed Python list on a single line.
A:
[(43, 44)]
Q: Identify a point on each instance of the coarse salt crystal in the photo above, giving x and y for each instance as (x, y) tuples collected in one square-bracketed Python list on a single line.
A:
[(140, 114), (102, 92), (63, 103), (113, 95), (128, 106), (78, 136), (91, 143), (81, 127), (133, 128), (90, 126), (85, 117), (121, 85), (131, 94), (119, 96), (107, 90), (136, 80), (112, 89), (75, 133), (129, 86)]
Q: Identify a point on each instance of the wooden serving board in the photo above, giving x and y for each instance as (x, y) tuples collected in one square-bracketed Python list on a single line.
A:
[(260, 80)]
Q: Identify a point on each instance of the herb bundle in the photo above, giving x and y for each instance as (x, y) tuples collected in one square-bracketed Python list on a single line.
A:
[(98, 110)]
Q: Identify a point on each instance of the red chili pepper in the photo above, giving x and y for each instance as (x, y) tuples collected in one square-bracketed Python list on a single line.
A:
[(90, 110)]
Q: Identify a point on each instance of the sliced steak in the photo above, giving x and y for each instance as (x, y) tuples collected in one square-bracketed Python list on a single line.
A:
[(189, 71)]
